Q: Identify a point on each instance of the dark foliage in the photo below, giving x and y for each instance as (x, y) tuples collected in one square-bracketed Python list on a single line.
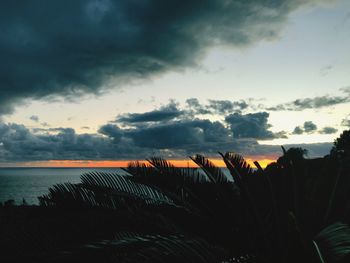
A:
[(294, 210)]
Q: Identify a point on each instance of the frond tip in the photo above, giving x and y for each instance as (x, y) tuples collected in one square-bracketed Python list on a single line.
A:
[(214, 173)]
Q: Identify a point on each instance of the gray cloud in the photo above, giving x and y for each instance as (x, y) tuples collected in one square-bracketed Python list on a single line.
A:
[(164, 113), (328, 130), (226, 106), (313, 103), (71, 48), (216, 106), (252, 125), (179, 134), (298, 130), (18, 143), (346, 122), (326, 70), (309, 127), (112, 131), (146, 134), (34, 118), (196, 107)]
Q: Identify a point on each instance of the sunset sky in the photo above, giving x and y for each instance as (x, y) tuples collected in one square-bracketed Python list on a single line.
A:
[(96, 83)]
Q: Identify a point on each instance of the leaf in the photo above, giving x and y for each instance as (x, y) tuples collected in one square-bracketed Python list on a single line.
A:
[(333, 242), (124, 184), (215, 174)]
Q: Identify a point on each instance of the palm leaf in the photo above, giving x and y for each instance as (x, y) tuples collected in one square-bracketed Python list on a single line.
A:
[(120, 183), (333, 243), (171, 248), (139, 169), (214, 173)]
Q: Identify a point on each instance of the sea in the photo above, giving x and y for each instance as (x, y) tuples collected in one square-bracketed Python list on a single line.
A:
[(27, 184)]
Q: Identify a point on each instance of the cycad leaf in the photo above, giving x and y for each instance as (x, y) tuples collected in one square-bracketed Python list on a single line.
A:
[(333, 242), (172, 248), (238, 162), (140, 169), (214, 173), (124, 184)]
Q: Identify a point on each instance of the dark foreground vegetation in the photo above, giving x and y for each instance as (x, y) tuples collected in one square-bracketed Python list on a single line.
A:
[(294, 210)]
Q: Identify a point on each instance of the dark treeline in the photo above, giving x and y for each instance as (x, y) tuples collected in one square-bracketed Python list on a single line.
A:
[(294, 210)]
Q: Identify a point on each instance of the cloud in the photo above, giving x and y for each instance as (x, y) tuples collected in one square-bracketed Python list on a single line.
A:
[(34, 118), (196, 107), (328, 130), (70, 48), (346, 121), (179, 134), (326, 70), (165, 113), (216, 106), (313, 103), (18, 143), (226, 106), (252, 125), (112, 131), (298, 130), (309, 127), (150, 133)]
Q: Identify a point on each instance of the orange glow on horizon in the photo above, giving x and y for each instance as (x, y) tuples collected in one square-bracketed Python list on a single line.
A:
[(263, 160)]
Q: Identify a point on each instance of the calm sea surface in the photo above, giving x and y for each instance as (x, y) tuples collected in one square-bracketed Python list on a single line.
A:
[(29, 183)]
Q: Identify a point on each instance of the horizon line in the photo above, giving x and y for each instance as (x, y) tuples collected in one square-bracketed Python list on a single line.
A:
[(181, 163)]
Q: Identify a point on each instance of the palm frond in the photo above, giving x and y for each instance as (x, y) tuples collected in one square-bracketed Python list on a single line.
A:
[(171, 248), (73, 195), (333, 242), (214, 173), (123, 184), (238, 162), (165, 167), (137, 168)]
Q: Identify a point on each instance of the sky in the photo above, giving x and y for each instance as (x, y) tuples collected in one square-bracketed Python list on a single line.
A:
[(91, 82)]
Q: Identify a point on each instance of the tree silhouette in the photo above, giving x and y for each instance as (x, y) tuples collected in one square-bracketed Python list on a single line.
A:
[(342, 144)]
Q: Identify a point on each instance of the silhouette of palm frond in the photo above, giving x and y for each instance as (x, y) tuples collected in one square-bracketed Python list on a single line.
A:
[(215, 174), (199, 215), (332, 244)]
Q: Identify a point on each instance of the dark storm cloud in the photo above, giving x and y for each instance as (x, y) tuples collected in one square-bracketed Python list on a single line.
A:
[(252, 125), (18, 143), (111, 131), (179, 134), (310, 127), (164, 113), (328, 130), (171, 140), (74, 47)]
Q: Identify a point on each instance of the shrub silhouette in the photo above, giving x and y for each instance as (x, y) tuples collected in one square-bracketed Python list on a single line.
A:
[(294, 210), (201, 215)]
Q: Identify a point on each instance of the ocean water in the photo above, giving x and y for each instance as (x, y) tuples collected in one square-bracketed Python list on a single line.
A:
[(29, 183)]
